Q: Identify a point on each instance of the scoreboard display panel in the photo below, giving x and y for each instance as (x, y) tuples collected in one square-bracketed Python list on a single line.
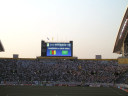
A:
[(59, 49)]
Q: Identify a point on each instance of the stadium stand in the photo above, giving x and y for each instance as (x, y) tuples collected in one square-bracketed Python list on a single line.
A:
[(33, 71), (121, 44), (123, 78)]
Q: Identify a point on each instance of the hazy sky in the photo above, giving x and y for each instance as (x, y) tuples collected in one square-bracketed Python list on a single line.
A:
[(91, 24)]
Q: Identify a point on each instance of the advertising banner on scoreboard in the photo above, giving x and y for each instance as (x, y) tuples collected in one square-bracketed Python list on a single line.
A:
[(59, 49)]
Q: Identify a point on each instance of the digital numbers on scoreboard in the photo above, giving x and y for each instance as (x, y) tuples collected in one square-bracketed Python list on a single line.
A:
[(59, 49)]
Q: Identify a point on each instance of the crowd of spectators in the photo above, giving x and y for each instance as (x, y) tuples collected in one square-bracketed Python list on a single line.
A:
[(87, 71), (123, 78)]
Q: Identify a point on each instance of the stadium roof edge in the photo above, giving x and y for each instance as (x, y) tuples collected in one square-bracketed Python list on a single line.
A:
[(18, 58), (1, 47), (56, 57), (121, 35), (99, 59)]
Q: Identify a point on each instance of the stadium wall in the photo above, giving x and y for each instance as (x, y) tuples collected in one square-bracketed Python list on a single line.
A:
[(123, 61), (61, 58), (100, 59)]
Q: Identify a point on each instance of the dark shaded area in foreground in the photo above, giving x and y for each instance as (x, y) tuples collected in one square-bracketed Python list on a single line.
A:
[(59, 91)]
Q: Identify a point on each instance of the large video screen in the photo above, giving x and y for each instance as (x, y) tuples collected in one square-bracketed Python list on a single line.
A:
[(59, 49)]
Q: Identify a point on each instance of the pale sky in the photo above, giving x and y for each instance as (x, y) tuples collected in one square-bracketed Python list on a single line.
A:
[(92, 25)]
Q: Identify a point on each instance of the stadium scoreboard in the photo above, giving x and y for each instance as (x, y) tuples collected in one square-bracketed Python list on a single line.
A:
[(56, 49)]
